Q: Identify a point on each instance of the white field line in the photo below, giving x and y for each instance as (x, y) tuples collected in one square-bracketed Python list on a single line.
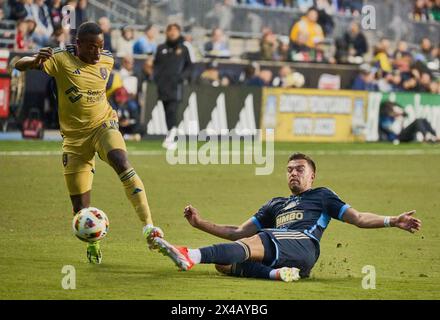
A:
[(408, 152)]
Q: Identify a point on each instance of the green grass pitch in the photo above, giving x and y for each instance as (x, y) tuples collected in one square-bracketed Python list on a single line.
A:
[(36, 240)]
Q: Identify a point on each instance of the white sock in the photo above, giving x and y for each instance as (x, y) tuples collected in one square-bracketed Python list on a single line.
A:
[(195, 255), (274, 274)]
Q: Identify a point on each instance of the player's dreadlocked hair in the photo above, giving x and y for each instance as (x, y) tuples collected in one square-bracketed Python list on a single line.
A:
[(87, 28), (302, 156)]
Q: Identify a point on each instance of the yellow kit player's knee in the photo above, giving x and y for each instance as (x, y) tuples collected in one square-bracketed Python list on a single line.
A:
[(78, 172), (79, 183)]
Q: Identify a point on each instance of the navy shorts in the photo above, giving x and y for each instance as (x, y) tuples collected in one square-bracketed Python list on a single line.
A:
[(290, 248)]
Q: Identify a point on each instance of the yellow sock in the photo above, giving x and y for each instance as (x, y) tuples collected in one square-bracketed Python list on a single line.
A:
[(135, 191)]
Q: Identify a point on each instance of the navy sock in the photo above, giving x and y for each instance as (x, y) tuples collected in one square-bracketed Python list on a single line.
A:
[(225, 253), (251, 269)]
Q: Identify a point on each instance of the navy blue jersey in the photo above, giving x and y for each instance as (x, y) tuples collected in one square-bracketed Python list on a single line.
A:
[(309, 212)]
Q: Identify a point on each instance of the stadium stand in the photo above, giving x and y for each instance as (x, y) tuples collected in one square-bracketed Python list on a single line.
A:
[(231, 37)]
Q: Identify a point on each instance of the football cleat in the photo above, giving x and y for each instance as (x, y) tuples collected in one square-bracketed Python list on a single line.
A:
[(94, 254), (287, 274), (179, 255), (150, 232)]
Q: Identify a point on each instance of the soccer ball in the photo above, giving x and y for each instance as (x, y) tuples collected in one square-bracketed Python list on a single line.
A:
[(90, 224)]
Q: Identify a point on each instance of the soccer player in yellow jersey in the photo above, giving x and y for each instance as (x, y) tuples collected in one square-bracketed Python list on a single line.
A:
[(89, 124)]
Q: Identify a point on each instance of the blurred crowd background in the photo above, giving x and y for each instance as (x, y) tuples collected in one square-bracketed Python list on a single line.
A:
[(267, 40)]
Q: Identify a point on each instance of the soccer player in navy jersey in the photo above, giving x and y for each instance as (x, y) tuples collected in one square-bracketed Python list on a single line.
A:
[(281, 241)]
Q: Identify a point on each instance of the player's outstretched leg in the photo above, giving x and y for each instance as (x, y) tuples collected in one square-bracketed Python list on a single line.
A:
[(251, 269), (223, 254), (135, 192)]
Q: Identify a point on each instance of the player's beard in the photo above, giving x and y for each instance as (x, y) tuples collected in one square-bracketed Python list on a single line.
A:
[(296, 187)]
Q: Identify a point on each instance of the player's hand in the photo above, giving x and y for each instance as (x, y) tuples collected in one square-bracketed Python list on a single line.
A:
[(43, 55), (407, 222), (192, 215)]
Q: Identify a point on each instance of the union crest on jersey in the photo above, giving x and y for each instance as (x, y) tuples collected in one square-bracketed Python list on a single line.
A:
[(104, 73)]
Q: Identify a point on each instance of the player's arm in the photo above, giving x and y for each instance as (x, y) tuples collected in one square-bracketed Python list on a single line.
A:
[(404, 221), (34, 62), (247, 229)]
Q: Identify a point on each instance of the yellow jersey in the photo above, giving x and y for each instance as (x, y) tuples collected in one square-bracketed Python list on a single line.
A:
[(81, 88)]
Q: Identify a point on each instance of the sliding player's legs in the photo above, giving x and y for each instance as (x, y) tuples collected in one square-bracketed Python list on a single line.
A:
[(223, 254), (111, 148), (271, 254), (264, 269), (248, 249)]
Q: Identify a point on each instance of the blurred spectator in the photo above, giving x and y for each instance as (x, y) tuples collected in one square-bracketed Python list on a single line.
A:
[(262, 78), (221, 15), (22, 38), (218, 46), (268, 45), (350, 7), (44, 29), (212, 76), (81, 12), (304, 5), (401, 50), (172, 66), (307, 32), (325, 13), (20, 9), (249, 71), (412, 81), (147, 44), (55, 9), (58, 38), (382, 55), (283, 49), (130, 84), (25, 29), (425, 53), (420, 11), (128, 114), (287, 78), (391, 126), (365, 79), (197, 52), (146, 73), (127, 67), (435, 11), (127, 75), (353, 46), (124, 44), (425, 82), (106, 27)]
